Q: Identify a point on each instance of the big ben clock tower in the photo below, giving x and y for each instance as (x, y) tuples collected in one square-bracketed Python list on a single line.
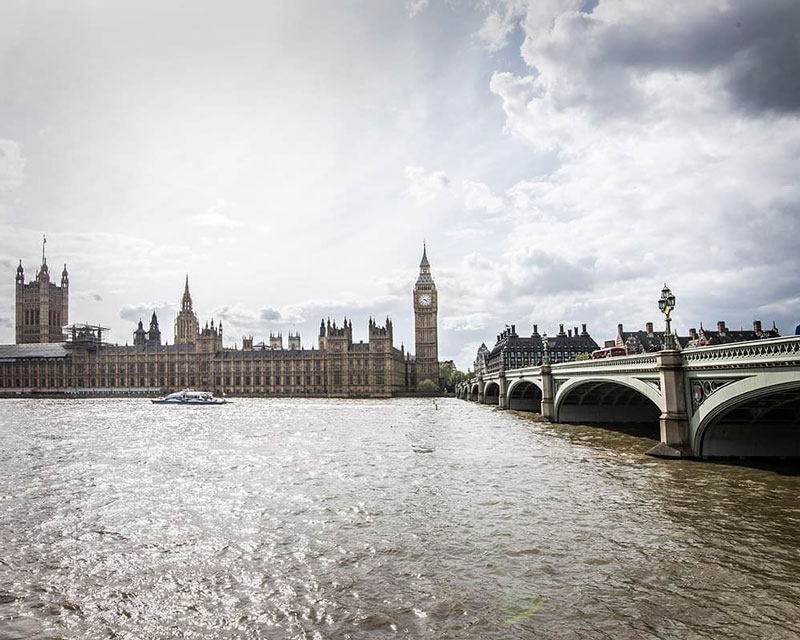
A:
[(426, 307)]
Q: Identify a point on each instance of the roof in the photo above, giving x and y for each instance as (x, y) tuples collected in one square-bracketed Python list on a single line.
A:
[(561, 341), (20, 351), (651, 342)]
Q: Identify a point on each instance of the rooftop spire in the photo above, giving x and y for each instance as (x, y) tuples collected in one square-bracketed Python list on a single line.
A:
[(186, 302), (424, 262), (44, 242)]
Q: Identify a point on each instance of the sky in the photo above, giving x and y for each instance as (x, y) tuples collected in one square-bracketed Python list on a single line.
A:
[(561, 159)]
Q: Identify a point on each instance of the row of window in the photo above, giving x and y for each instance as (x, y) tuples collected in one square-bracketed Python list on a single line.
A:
[(183, 381)]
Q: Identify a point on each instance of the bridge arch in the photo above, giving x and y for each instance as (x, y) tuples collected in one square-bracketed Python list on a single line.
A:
[(491, 393), (525, 394), (757, 416), (607, 399), (474, 394)]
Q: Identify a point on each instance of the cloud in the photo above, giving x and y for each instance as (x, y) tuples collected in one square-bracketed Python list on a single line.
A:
[(87, 295), (747, 50), (666, 166), (478, 197), (12, 165), (216, 216), (423, 186), (415, 7), (502, 19), (143, 311), (257, 322), (6, 322), (468, 322)]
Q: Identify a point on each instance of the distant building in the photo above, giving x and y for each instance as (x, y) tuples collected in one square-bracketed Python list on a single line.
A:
[(480, 366), (645, 341), (42, 307), (649, 341), (85, 364), (513, 352)]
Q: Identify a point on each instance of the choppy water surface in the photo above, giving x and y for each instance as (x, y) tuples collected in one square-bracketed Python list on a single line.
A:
[(370, 519)]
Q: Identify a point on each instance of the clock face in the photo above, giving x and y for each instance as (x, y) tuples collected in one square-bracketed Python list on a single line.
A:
[(425, 299)]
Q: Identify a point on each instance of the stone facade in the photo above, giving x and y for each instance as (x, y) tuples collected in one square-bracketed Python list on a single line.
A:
[(512, 351), (42, 307), (338, 367), (426, 331), (650, 341)]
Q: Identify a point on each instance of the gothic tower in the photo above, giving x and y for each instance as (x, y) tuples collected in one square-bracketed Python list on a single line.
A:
[(154, 335), (42, 307), (186, 325), (426, 307)]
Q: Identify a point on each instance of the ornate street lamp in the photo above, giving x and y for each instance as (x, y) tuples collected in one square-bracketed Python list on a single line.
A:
[(667, 303), (545, 351)]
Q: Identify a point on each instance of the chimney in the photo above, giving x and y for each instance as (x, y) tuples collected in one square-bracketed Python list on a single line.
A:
[(583, 328), (575, 331), (513, 329), (757, 326), (693, 333), (569, 333), (561, 329), (649, 326), (721, 326), (535, 329)]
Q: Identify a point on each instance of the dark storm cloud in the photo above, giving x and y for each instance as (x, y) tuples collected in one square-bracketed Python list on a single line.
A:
[(753, 45)]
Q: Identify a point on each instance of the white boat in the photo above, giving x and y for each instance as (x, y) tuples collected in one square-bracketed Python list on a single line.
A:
[(187, 396)]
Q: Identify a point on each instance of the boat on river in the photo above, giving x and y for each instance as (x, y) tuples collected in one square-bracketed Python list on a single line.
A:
[(189, 396)]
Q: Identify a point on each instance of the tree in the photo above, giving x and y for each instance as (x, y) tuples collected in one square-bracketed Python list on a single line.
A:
[(427, 385)]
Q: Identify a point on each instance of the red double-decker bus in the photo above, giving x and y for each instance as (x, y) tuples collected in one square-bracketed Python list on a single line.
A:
[(609, 352)]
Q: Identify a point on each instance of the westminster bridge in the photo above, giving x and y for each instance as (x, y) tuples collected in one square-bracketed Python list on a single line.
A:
[(740, 399)]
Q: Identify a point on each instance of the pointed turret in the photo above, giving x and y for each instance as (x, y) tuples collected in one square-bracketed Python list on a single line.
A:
[(424, 262), (186, 300), (187, 327), (140, 335)]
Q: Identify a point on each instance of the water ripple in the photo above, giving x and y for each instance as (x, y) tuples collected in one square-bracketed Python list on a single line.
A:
[(363, 519)]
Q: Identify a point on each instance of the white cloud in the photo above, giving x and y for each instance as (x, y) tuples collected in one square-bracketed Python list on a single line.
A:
[(217, 216), (415, 7), (468, 322), (424, 187), (501, 20), (618, 148), (12, 165), (478, 197)]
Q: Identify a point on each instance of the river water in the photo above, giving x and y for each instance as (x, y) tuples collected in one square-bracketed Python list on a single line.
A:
[(272, 518)]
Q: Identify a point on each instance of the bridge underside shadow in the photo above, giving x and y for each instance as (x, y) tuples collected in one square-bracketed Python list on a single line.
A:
[(491, 394), (525, 396), (766, 426), (612, 405)]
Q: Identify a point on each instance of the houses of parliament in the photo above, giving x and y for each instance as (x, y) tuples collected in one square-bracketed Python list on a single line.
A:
[(55, 358)]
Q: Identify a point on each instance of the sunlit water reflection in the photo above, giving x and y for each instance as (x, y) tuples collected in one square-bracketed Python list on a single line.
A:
[(368, 519)]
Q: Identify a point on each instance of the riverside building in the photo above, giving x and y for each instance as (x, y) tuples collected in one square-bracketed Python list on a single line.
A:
[(512, 351), (80, 362)]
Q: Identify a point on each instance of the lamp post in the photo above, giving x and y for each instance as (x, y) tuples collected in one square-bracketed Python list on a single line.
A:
[(545, 351), (667, 303)]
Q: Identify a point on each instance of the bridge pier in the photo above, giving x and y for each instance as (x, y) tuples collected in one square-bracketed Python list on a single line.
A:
[(548, 406), (674, 419), (502, 400)]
